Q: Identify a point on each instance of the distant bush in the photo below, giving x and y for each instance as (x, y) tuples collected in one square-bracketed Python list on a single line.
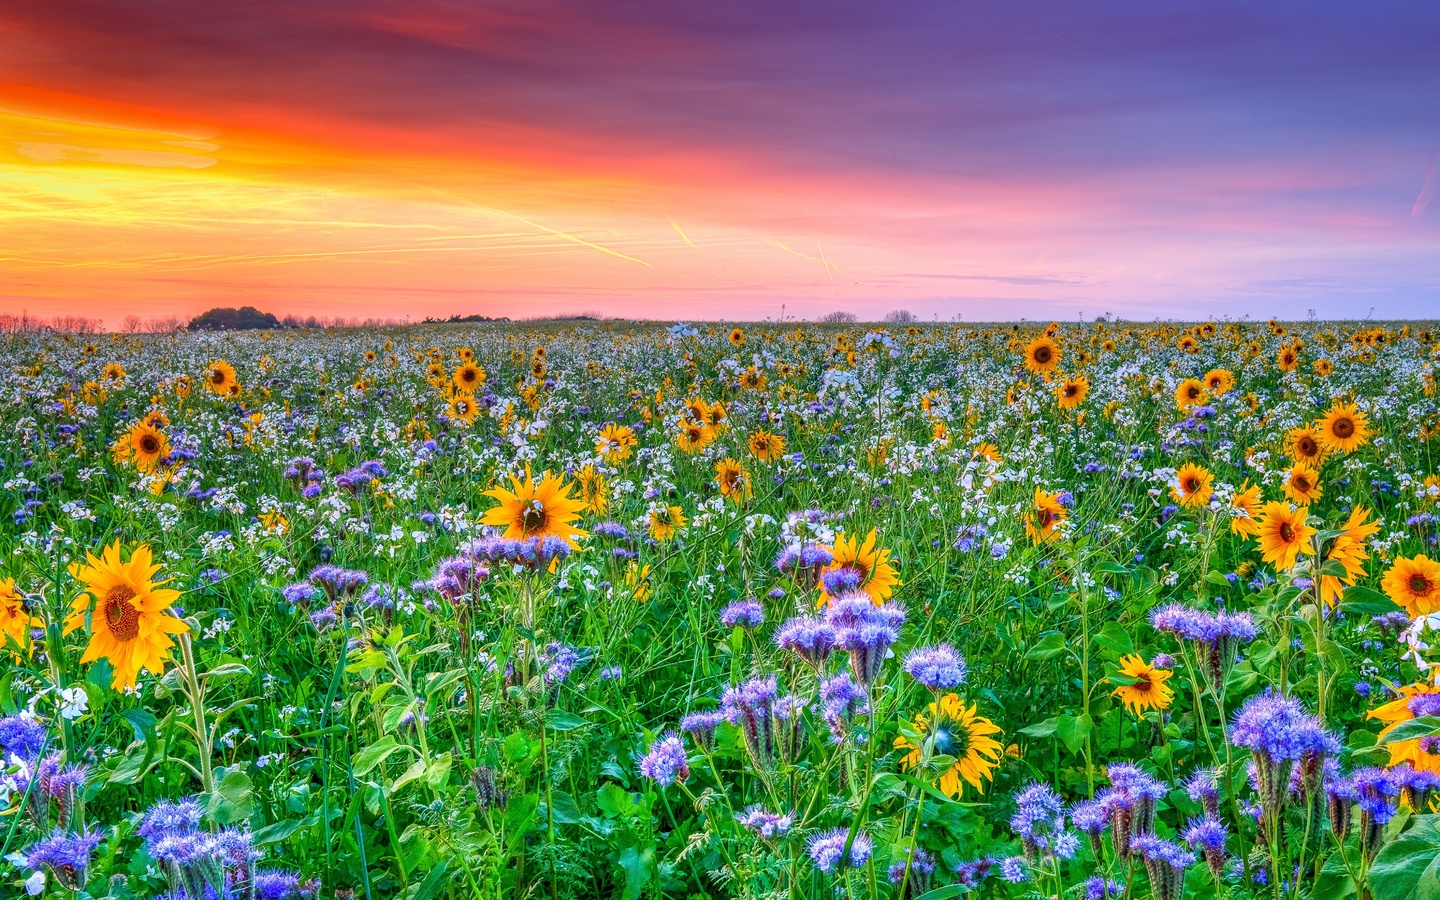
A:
[(838, 317), (226, 318), (899, 317)]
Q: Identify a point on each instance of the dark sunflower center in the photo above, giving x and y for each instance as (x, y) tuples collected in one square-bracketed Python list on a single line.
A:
[(121, 616), (1042, 355), (1287, 533), (533, 518), (1420, 586), (1192, 392), (951, 740), (1308, 447), (217, 376), (1143, 685), (1071, 390), (149, 444), (1301, 483), (1192, 484), (1343, 428)]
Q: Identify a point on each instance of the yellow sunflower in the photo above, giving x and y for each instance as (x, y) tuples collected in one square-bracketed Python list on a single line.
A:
[(1348, 549), (1193, 485), (462, 410), (988, 451), (952, 729), (1288, 359), (1302, 485), (536, 509), (468, 378), (127, 611), (15, 619), (665, 521), (737, 337), (220, 378), (1304, 444), (1219, 382), (1148, 690), (594, 490), (615, 442), (1246, 506), (1189, 393), (733, 479), (1042, 355), (1414, 583), (692, 437), (1073, 391), (1421, 753), (765, 446), (144, 445), (1042, 524), (1283, 534), (877, 577), (1344, 428)]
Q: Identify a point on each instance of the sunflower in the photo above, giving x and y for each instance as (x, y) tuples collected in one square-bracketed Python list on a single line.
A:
[(1304, 444), (1193, 485), (733, 479), (765, 446), (113, 372), (144, 444), (665, 521), (1188, 344), (1288, 359), (1283, 534), (1414, 583), (1043, 522), (220, 378), (1148, 691), (1072, 391), (1219, 382), (532, 509), (697, 409), (872, 564), (1042, 355), (752, 379), (694, 436), (1302, 484), (1190, 392), (594, 490), (952, 729), (127, 611), (181, 386), (462, 410), (1344, 428), (988, 451), (1348, 549), (468, 378), (715, 414), (15, 618), (615, 442), (1323, 367), (1246, 506), (737, 337), (1420, 753)]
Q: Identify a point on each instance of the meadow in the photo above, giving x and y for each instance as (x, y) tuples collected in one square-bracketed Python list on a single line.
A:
[(591, 609)]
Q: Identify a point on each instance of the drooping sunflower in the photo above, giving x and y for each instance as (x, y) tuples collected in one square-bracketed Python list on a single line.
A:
[(594, 490), (955, 730), (468, 378), (15, 618), (665, 521), (1344, 428), (1042, 355), (1304, 444), (1349, 550), (144, 445), (127, 611), (532, 509), (1246, 508), (1190, 393), (615, 442), (1287, 359), (1414, 583), (1194, 485), (1302, 484), (1421, 753), (988, 451), (1148, 690), (1219, 382), (1283, 534), (220, 378), (752, 379), (1042, 523), (877, 577), (765, 446), (692, 437), (734, 480), (1073, 391)]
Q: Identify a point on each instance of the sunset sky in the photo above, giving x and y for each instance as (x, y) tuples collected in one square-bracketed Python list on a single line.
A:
[(717, 160)]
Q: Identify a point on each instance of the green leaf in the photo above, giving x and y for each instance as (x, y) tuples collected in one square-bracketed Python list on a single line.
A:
[(277, 832), (231, 801), (1115, 640), (434, 883), (1413, 729), (438, 772), (416, 771), (1051, 644), (565, 809), (1406, 868), (637, 865), (1043, 729), (560, 720), (142, 722), (1073, 730), (1366, 601), (614, 801), (366, 760)]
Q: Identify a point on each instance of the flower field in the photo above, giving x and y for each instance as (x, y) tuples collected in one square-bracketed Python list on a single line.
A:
[(595, 609)]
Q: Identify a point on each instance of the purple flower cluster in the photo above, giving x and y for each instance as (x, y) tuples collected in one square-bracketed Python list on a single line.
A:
[(1039, 820), (827, 849), (666, 760), (841, 700), (809, 638), (751, 707), (804, 564), (1131, 800), (767, 825), (701, 726), (865, 630), (1217, 637), (1279, 732), (747, 614), (64, 855), (362, 477), (1165, 863), (21, 735), (939, 668)]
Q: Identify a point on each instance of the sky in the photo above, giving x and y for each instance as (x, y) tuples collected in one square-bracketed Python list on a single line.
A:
[(737, 160)]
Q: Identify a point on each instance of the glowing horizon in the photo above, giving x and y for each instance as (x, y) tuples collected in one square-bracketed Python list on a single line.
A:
[(445, 157)]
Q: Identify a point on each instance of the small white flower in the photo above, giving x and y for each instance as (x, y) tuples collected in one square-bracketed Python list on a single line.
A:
[(73, 702), (35, 884)]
